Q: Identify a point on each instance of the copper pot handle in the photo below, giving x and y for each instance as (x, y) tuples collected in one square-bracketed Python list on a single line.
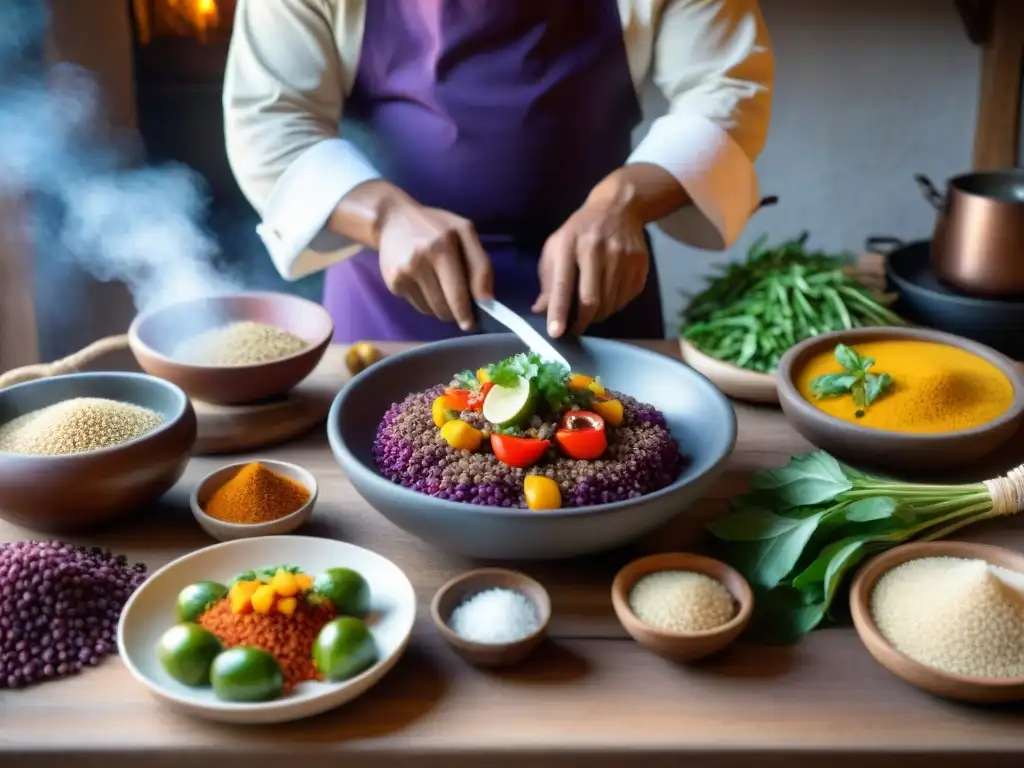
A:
[(70, 364), (931, 195)]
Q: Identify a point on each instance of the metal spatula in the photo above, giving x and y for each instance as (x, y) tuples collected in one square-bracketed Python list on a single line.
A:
[(567, 350)]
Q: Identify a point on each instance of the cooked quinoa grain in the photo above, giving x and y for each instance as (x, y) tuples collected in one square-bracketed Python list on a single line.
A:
[(642, 457), (957, 615), (244, 343), (76, 426), (681, 601)]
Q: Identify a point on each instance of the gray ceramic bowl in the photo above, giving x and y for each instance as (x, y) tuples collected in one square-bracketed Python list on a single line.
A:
[(69, 493), (887, 450), (700, 417)]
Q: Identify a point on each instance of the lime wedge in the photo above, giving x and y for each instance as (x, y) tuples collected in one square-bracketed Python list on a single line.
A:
[(509, 405)]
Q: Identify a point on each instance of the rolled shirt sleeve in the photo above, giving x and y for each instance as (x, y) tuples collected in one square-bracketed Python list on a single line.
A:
[(712, 60), (283, 96)]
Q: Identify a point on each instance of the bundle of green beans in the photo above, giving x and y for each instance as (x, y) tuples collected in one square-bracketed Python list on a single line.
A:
[(753, 311)]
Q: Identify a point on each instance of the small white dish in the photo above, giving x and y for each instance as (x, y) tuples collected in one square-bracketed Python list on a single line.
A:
[(150, 612), (223, 531)]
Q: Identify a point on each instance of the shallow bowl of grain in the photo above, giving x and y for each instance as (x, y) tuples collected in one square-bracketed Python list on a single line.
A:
[(462, 588), (678, 646), (935, 681), (71, 492), (738, 383), (889, 450), (225, 531), (157, 337)]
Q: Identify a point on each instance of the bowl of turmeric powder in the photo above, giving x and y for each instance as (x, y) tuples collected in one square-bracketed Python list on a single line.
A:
[(901, 399), (256, 498)]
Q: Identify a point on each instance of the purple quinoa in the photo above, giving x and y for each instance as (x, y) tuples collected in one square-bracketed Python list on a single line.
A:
[(641, 457)]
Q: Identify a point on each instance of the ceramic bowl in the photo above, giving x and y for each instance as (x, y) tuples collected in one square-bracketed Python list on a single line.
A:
[(150, 612), (154, 335), (463, 587), (677, 646), (63, 494), (867, 447), (738, 383), (701, 419), (223, 531), (935, 681)]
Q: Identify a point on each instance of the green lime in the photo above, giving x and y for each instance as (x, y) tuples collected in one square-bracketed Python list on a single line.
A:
[(246, 675), (347, 590), (510, 405), (186, 652), (194, 599), (344, 648)]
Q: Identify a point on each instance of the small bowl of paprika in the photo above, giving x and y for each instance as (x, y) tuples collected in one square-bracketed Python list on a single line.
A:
[(257, 498)]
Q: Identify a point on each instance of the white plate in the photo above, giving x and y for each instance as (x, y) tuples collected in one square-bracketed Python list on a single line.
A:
[(150, 612)]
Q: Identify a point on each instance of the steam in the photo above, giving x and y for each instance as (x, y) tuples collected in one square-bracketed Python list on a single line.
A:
[(135, 225)]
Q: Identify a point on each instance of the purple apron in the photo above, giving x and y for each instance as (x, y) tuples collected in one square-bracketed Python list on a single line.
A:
[(505, 112)]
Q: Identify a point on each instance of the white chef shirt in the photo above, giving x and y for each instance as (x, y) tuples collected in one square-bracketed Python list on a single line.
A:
[(292, 64)]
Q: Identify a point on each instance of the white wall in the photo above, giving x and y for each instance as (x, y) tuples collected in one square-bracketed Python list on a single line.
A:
[(867, 93)]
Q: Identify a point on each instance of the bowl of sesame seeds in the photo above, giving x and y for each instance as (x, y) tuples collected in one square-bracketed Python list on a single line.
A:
[(236, 348), (80, 450)]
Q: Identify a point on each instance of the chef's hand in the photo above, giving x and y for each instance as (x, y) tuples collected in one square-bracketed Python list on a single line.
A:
[(602, 245), (434, 260)]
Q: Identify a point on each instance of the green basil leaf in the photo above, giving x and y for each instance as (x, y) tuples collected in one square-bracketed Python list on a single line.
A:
[(848, 358), (851, 553), (814, 478), (814, 574), (833, 384), (751, 524), (873, 508), (875, 385), (860, 399), (782, 616), (774, 558)]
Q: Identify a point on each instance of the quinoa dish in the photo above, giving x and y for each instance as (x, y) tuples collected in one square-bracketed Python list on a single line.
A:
[(525, 433)]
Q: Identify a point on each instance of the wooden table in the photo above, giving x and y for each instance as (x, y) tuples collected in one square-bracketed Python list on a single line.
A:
[(590, 697)]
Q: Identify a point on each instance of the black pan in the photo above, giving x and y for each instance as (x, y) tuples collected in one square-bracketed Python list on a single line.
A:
[(924, 300)]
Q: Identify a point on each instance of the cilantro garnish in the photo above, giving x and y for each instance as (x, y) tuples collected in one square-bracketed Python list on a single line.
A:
[(551, 379), (466, 380)]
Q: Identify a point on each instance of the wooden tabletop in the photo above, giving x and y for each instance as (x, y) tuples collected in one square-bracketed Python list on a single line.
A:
[(590, 696)]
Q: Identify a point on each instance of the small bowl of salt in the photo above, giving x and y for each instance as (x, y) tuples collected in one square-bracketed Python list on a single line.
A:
[(492, 617), (682, 606)]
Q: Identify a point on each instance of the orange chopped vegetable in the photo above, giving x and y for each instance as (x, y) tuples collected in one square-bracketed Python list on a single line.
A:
[(263, 599), (241, 594), (284, 583), (287, 605), (610, 410), (304, 580), (579, 381), (541, 492)]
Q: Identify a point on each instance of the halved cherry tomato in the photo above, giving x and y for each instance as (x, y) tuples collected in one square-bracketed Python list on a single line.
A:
[(476, 399), (582, 435), (521, 452), (457, 399)]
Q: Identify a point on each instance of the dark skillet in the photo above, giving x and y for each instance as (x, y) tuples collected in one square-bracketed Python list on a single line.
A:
[(924, 300)]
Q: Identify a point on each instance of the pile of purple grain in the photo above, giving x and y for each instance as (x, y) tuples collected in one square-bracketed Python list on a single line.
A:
[(59, 608)]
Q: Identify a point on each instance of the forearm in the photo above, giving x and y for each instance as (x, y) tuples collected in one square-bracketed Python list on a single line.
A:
[(361, 214), (648, 191)]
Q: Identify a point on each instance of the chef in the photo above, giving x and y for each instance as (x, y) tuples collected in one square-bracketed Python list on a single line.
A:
[(426, 152)]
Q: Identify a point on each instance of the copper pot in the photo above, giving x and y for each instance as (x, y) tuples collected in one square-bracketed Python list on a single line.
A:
[(978, 242)]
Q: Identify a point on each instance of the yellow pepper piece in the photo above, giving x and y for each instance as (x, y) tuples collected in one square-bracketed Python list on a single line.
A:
[(541, 492), (240, 596), (609, 410), (579, 381), (461, 436), (284, 583), (596, 388), (305, 581), (482, 376), (263, 599), (441, 411), (287, 605)]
